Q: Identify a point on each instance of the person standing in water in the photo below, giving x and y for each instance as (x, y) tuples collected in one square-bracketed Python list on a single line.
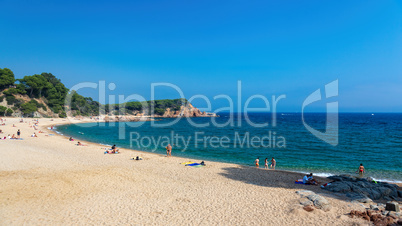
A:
[(273, 163), (257, 162), (361, 170), (169, 150), (266, 163)]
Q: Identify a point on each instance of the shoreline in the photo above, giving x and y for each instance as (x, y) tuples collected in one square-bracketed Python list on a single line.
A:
[(320, 175), (50, 180)]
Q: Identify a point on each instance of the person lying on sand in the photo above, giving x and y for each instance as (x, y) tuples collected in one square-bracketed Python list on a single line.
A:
[(113, 151), (34, 135), (80, 144)]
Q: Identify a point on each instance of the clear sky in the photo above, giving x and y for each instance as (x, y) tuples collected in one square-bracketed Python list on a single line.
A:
[(205, 47)]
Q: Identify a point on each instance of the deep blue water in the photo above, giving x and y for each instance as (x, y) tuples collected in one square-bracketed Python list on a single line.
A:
[(374, 140)]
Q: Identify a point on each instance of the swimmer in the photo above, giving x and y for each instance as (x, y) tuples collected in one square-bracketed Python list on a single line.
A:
[(273, 163), (361, 170), (257, 162)]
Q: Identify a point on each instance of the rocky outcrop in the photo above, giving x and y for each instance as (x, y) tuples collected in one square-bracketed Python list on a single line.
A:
[(187, 111), (363, 189), (378, 216)]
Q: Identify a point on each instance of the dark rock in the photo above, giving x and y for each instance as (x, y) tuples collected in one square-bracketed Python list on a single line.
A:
[(335, 178), (375, 195), (364, 187), (384, 191), (358, 197), (392, 206), (342, 187)]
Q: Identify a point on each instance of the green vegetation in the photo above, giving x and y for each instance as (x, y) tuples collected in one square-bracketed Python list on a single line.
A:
[(3, 110), (159, 106), (49, 89), (9, 112), (6, 78)]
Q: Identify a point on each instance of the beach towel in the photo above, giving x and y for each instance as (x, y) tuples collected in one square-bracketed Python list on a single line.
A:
[(198, 165), (300, 181), (186, 163), (111, 153), (194, 164)]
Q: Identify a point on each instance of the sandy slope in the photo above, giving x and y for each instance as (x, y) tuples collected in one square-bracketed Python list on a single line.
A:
[(49, 180)]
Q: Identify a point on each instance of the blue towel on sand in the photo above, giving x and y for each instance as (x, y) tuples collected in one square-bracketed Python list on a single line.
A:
[(194, 164), (300, 182)]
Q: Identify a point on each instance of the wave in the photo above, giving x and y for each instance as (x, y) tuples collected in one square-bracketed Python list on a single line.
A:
[(332, 174)]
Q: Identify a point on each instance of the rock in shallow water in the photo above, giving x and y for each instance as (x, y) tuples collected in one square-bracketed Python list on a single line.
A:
[(368, 189)]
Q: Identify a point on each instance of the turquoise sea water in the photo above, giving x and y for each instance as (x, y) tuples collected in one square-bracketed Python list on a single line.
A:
[(372, 139)]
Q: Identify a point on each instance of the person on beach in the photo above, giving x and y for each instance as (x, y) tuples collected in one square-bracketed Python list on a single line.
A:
[(19, 134), (168, 150), (308, 179), (273, 163), (266, 163), (257, 162), (13, 137), (361, 170), (71, 139), (34, 135), (80, 144), (114, 149)]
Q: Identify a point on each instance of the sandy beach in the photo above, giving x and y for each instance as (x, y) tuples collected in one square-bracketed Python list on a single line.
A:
[(49, 180)]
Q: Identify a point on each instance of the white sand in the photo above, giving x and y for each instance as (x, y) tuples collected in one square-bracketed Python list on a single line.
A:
[(49, 180)]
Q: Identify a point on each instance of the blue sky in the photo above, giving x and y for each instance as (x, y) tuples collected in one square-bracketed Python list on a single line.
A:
[(205, 47)]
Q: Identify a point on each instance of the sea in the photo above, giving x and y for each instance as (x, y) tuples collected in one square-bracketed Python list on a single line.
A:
[(371, 139)]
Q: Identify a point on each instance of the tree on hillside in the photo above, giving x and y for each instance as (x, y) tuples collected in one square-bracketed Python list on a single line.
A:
[(6, 78), (35, 83), (3, 110)]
